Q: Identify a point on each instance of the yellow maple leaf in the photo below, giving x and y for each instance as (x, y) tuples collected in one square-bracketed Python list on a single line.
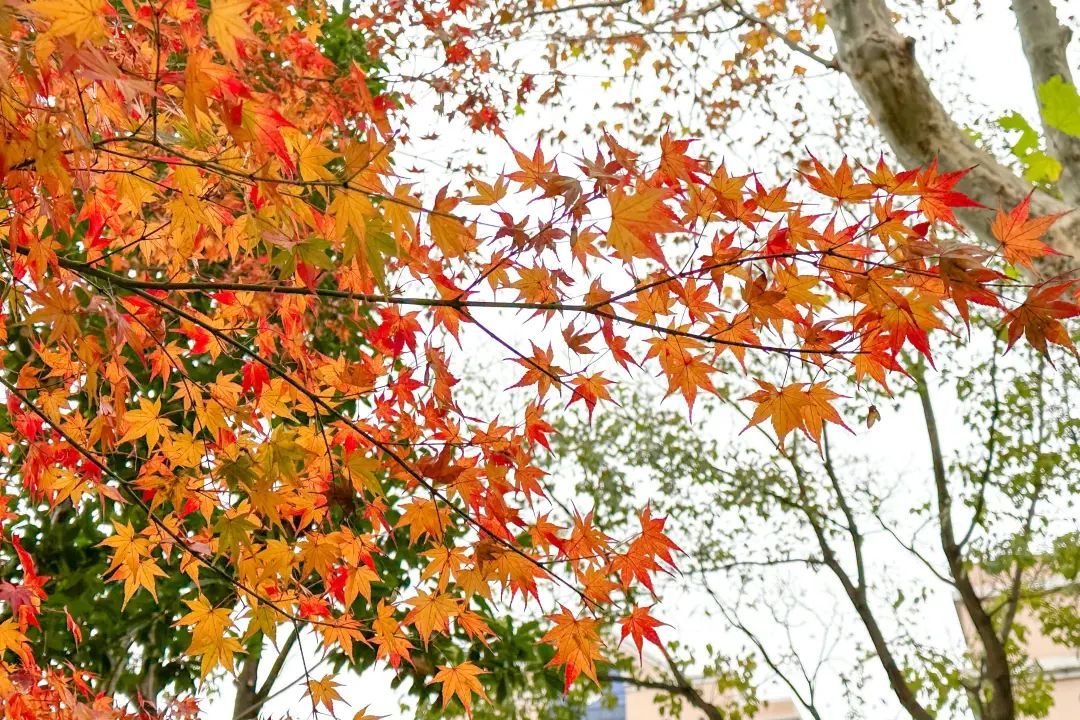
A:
[(462, 681), (450, 234), (11, 638), (140, 573), (218, 651), (146, 422), (324, 692), (487, 194), (82, 19), (227, 26), (127, 548), (313, 159), (431, 613), (351, 210), (207, 621), (387, 635)]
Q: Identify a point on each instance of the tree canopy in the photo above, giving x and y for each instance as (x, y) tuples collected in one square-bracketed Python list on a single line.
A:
[(234, 326)]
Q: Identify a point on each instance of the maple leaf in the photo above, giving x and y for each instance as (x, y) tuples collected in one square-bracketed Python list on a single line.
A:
[(450, 234), (12, 638), (228, 28), (783, 406), (393, 646), (641, 626), (324, 692), (73, 627), (686, 372), (540, 370), (652, 540), (313, 159), (590, 389), (1019, 236), (146, 422), (136, 574), (84, 20), (818, 410), (937, 199), (461, 681), (533, 170), (636, 220), (839, 185), (431, 613), (1039, 317), (207, 621), (577, 645), (675, 166)]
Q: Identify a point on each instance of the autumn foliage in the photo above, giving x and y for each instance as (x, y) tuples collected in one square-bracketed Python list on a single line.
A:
[(226, 307)]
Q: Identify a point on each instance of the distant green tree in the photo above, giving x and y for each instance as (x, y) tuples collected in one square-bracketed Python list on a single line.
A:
[(991, 522)]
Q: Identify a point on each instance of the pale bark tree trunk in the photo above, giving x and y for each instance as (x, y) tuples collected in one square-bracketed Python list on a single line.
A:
[(1045, 40), (881, 64)]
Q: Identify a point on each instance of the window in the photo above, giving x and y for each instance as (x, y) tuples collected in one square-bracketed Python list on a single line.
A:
[(603, 709)]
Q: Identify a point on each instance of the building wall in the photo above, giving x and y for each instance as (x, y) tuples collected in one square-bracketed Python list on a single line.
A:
[(1061, 662), (634, 703)]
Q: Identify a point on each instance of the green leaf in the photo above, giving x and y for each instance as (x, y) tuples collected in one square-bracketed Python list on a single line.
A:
[(1038, 166), (1060, 105), (1029, 138), (1041, 168)]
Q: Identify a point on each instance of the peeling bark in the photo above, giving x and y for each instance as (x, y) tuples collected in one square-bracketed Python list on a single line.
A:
[(881, 64)]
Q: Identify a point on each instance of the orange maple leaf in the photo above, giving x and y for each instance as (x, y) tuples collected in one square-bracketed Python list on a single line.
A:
[(1039, 317), (635, 221), (577, 645), (431, 613), (839, 185), (783, 406), (1019, 236)]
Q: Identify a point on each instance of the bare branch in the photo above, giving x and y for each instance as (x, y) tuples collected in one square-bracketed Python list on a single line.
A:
[(1001, 705)]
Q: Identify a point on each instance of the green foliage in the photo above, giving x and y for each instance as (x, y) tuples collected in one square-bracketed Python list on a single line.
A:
[(1060, 105), (1038, 166)]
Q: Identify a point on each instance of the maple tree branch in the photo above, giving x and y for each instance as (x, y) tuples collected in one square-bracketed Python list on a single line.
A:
[(247, 679), (678, 688), (456, 303), (735, 7), (881, 64), (1045, 41), (730, 616), (135, 497), (991, 448), (279, 662), (845, 508), (1013, 601), (691, 693), (598, 5), (384, 448)]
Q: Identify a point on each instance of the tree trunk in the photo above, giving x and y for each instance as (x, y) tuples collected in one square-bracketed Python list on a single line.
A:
[(881, 65), (247, 694)]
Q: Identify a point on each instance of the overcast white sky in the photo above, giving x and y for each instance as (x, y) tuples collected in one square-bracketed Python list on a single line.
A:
[(984, 56)]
